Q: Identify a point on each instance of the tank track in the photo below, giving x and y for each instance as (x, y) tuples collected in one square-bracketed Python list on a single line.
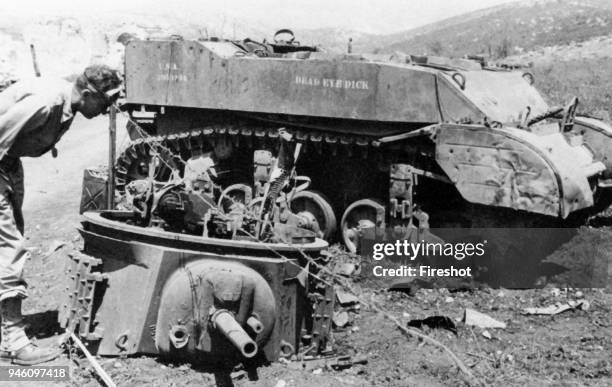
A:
[(194, 142), (186, 144)]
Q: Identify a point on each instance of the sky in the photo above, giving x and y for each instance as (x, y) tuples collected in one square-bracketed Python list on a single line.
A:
[(373, 16)]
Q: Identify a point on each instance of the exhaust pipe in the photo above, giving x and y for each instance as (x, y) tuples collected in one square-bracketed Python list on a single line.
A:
[(225, 323)]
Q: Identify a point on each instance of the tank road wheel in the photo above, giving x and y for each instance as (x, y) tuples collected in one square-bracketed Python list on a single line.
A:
[(364, 213), (316, 209), (235, 193)]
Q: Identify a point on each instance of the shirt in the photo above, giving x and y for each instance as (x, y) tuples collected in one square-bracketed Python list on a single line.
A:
[(34, 114)]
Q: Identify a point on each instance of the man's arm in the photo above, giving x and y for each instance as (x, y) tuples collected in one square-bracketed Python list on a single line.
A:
[(28, 113)]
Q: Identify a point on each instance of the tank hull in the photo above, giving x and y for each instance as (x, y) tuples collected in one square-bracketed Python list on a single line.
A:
[(221, 76), (343, 107), (136, 280)]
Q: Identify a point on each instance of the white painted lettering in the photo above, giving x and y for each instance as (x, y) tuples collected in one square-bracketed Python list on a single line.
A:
[(331, 83)]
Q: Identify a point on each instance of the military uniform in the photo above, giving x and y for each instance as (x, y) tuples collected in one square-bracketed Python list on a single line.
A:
[(34, 114)]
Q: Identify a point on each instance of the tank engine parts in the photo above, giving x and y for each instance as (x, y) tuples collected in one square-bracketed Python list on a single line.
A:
[(203, 273), (480, 139)]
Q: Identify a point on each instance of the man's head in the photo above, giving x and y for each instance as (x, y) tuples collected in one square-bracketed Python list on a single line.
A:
[(95, 90)]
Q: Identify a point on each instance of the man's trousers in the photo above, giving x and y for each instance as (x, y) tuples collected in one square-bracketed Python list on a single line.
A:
[(13, 255)]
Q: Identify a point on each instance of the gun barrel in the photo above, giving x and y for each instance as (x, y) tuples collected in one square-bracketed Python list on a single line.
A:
[(255, 324), (225, 323)]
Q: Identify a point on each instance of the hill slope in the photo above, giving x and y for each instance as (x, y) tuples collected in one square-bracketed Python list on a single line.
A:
[(509, 29)]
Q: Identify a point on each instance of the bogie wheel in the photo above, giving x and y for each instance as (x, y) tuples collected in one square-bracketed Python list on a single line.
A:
[(364, 213), (315, 207)]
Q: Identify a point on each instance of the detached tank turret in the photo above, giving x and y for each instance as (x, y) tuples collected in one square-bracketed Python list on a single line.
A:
[(380, 134)]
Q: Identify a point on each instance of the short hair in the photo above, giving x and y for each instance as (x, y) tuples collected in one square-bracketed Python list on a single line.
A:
[(125, 38), (102, 77)]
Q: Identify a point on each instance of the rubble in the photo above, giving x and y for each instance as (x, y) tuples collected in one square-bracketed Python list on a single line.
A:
[(345, 298), (346, 269), (340, 319), (55, 245), (481, 320), (557, 308), (435, 322), (330, 363)]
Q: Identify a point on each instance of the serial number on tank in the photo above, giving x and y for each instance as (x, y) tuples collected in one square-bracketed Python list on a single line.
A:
[(170, 72)]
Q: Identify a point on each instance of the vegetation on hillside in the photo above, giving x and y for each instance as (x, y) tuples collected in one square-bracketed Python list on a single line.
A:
[(510, 29), (588, 79)]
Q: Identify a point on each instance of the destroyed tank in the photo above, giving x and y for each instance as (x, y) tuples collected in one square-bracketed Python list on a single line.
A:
[(176, 274), (385, 139)]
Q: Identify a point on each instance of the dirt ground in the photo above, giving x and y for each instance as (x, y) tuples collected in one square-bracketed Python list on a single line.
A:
[(570, 349)]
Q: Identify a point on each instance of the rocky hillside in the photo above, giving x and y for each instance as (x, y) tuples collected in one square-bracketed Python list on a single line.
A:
[(66, 44), (578, 69), (509, 29)]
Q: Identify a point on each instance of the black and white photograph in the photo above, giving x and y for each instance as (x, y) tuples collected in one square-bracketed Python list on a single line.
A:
[(268, 193)]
